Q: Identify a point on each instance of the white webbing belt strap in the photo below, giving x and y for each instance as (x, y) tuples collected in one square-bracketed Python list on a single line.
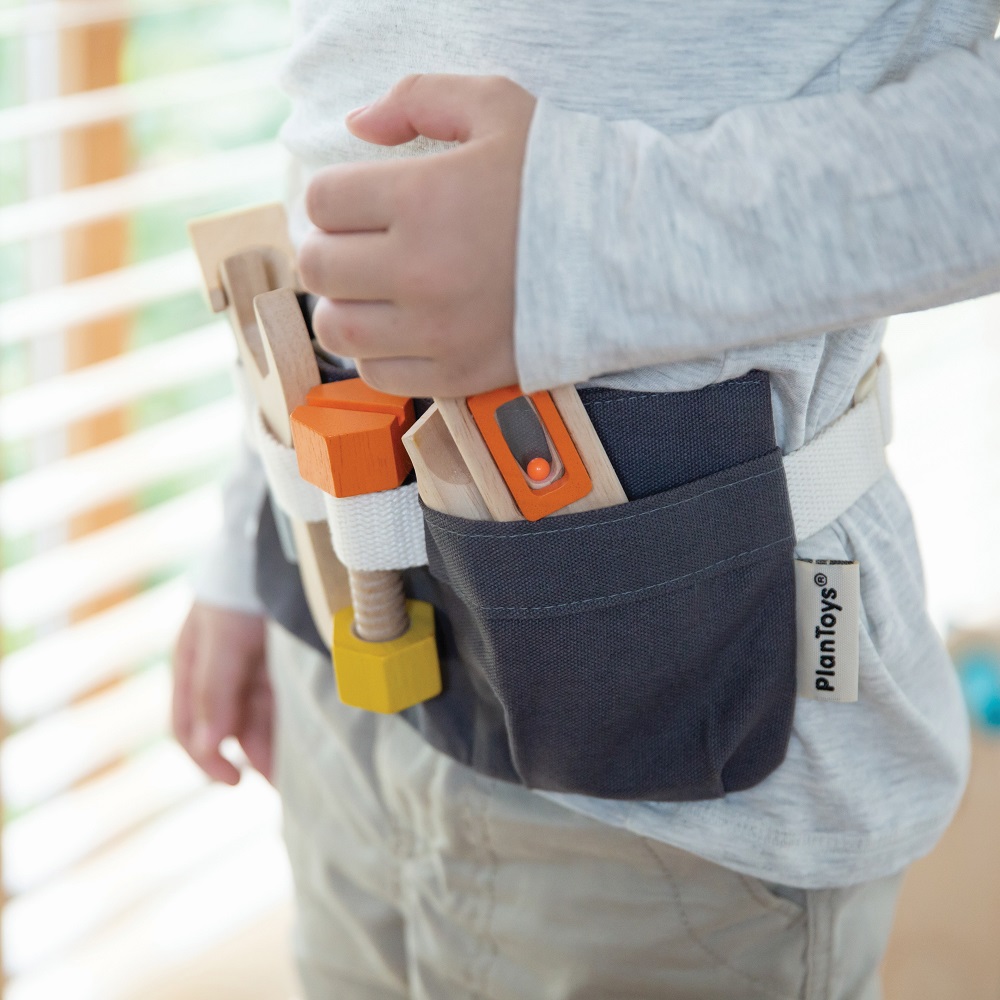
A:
[(838, 466), (385, 530), (378, 531), (292, 494)]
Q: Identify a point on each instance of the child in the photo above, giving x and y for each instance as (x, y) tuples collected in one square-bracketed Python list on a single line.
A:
[(651, 199)]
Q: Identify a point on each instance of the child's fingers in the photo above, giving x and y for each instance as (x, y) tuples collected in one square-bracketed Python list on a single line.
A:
[(257, 728), (181, 706), (352, 197), (204, 751), (354, 266), (438, 106), (365, 330), (227, 657), (193, 660), (430, 377), (218, 687)]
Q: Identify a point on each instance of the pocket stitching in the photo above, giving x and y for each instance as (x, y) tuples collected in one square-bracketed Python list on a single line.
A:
[(463, 533), (693, 934), (624, 593)]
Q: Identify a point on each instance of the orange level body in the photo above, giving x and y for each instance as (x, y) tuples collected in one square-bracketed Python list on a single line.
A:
[(533, 502)]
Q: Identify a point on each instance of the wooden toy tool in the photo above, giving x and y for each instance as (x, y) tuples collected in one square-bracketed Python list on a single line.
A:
[(502, 455), (245, 258), (529, 456), (443, 477), (348, 440)]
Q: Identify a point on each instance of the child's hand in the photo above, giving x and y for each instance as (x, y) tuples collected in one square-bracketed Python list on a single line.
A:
[(415, 258), (221, 689)]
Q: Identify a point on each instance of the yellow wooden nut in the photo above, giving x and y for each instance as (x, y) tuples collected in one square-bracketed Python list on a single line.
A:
[(387, 676)]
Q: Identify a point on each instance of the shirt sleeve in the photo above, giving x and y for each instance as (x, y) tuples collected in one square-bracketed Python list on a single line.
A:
[(780, 220), (225, 574)]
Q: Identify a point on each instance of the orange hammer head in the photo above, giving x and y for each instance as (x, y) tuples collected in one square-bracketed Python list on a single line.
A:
[(348, 438)]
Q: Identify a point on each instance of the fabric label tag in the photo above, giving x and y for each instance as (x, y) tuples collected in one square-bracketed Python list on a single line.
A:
[(827, 602)]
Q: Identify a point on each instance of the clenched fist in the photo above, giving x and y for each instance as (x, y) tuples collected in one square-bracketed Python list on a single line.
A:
[(414, 259)]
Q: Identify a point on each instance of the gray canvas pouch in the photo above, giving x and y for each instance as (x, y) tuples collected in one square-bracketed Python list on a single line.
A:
[(643, 651)]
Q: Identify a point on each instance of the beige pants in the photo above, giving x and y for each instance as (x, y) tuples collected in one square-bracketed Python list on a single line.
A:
[(417, 877)]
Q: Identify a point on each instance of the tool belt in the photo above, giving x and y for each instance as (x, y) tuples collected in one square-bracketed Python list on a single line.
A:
[(642, 651), (642, 648)]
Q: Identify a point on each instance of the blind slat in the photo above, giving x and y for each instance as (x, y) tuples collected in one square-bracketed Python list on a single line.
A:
[(90, 107), (54, 671), (149, 943), (113, 835), (61, 490), (35, 845), (64, 748), (34, 18), (105, 295), (170, 183), (42, 923), (56, 402), (48, 586)]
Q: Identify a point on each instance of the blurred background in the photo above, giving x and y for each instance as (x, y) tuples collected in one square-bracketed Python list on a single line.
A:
[(125, 875), (124, 872)]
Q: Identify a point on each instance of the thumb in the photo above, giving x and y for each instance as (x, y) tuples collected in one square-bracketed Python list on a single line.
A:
[(438, 106)]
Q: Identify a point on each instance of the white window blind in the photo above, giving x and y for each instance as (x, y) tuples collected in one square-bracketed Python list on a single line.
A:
[(119, 121)]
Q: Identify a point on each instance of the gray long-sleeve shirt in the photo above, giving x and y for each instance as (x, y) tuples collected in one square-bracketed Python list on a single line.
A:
[(715, 187)]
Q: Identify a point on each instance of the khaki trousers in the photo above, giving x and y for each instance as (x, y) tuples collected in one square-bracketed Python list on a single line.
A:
[(417, 877)]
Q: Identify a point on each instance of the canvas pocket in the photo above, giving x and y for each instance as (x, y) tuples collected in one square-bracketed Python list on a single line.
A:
[(642, 651)]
